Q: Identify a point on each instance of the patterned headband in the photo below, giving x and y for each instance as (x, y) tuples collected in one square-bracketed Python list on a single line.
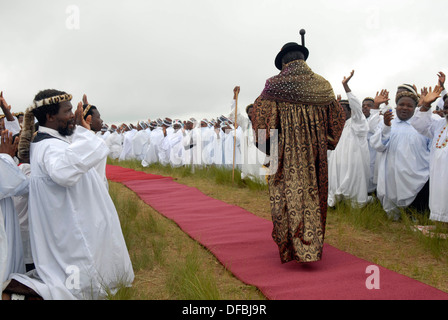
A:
[(86, 110), (406, 94), (52, 100), (408, 88)]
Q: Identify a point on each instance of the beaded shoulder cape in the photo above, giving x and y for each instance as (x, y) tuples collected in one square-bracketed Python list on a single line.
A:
[(297, 83)]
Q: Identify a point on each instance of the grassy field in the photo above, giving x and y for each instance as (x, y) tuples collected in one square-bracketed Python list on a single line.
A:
[(168, 264)]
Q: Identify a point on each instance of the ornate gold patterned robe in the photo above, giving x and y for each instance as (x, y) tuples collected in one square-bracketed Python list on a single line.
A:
[(301, 105)]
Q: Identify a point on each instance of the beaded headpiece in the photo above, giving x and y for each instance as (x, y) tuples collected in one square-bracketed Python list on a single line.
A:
[(52, 100)]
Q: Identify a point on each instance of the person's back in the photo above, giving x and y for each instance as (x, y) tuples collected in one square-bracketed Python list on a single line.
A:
[(301, 107)]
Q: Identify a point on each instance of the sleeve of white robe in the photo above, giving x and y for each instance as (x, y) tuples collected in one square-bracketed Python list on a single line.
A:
[(177, 149), (380, 139), (424, 123), (359, 122), (66, 166), (12, 126), (440, 102), (374, 120), (164, 151), (186, 139), (240, 119), (3, 248), (12, 181)]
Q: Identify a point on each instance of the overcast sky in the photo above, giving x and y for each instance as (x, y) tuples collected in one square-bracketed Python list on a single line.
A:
[(141, 59)]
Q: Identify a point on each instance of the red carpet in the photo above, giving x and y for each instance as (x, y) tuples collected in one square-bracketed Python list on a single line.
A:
[(242, 242), (120, 174)]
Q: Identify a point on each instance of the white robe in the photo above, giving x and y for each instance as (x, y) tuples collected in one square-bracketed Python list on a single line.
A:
[(21, 205), (207, 144), (115, 143), (3, 250), (240, 119), (187, 143), (228, 142), (76, 238), (12, 126), (349, 163), (218, 155), (440, 103), (140, 143), (403, 163), (152, 153), (12, 183), (248, 157), (374, 120), (171, 149), (252, 158), (127, 152), (196, 150), (432, 127)]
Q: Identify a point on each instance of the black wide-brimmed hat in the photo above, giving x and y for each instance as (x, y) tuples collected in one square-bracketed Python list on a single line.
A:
[(289, 47)]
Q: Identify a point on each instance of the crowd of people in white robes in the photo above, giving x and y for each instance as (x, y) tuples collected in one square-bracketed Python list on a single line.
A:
[(227, 141), (57, 218), (393, 152), (397, 153)]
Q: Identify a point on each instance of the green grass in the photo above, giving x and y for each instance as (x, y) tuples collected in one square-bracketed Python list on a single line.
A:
[(191, 281), (372, 218), (167, 263), (182, 269)]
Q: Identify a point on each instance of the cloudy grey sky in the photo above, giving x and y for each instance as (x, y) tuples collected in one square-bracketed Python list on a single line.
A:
[(141, 59)]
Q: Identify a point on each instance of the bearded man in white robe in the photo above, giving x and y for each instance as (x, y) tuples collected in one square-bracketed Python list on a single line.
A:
[(76, 238)]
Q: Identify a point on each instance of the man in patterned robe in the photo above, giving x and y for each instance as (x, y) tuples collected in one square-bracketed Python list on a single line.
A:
[(301, 107)]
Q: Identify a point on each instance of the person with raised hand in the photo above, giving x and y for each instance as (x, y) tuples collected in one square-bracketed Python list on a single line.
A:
[(437, 130)]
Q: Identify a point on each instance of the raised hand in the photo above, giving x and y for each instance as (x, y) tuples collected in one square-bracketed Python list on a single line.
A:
[(442, 78), (346, 80), (380, 98), (8, 145), (424, 92), (388, 116), (236, 92), (79, 119), (430, 97), (6, 108)]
